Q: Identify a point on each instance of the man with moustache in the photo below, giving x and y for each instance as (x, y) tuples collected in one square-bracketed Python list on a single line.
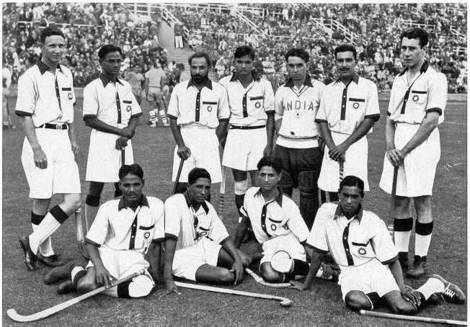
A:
[(349, 107), (199, 115), (297, 146), (111, 110)]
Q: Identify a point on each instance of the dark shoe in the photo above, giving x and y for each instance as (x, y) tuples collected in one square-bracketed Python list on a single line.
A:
[(30, 258), (59, 273), (66, 287), (418, 268), (451, 294), (51, 261)]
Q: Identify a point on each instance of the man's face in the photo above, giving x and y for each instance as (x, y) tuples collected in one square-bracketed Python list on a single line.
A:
[(131, 187), (53, 48), (345, 63), (350, 199), (244, 65), (411, 52), (199, 69), (200, 190), (111, 63), (268, 178), (296, 68)]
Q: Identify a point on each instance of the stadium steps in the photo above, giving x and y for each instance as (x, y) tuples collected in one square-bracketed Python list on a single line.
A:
[(166, 37)]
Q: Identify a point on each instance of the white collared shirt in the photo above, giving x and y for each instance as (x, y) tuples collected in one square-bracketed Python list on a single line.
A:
[(248, 106), (205, 107), (39, 98)]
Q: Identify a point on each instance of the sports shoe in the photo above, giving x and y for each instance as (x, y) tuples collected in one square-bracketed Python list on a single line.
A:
[(59, 273), (66, 287), (30, 259), (327, 272), (51, 260), (417, 271), (451, 294)]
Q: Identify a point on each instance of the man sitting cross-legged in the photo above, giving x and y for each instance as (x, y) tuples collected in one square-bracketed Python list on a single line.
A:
[(197, 245), (123, 231), (363, 248)]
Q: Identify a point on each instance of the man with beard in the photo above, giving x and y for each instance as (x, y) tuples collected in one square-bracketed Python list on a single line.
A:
[(199, 114), (349, 107), (111, 110)]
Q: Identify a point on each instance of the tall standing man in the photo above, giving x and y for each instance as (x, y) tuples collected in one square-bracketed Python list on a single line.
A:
[(417, 102), (46, 108), (349, 107), (153, 90), (250, 135), (111, 110), (297, 145), (199, 114)]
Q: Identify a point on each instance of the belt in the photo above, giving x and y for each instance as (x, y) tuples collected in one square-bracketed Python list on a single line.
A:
[(246, 127), (300, 137), (54, 126)]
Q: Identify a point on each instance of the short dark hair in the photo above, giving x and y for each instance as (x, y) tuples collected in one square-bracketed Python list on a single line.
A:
[(200, 55), (344, 48), (197, 173), (133, 169), (416, 33), (244, 50), (270, 161), (108, 48), (297, 52), (49, 31), (352, 181)]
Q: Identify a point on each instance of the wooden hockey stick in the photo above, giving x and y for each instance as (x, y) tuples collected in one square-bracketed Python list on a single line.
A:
[(178, 175), (261, 281), (222, 193), (15, 316), (412, 318)]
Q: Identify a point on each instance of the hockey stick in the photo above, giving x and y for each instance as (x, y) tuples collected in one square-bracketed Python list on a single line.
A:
[(412, 318), (391, 228), (222, 193), (341, 170), (178, 175), (261, 281), (284, 302), (15, 316), (80, 234)]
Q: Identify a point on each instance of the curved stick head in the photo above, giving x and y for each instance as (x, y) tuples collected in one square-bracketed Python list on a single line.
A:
[(286, 303)]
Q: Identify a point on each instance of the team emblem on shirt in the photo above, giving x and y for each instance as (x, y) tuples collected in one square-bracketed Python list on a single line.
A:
[(147, 235), (355, 105), (70, 96), (415, 98), (273, 227), (209, 108), (362, 251), (129, 108), (257, 105)]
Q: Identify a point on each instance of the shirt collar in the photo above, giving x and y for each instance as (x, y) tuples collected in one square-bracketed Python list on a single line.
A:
[(255, 75), (207, 83), (424, 68), (308, 81), (339, 213), (43, 67), (355, 79), (143, 202), (105, 79), (188, 202), (278, 198)]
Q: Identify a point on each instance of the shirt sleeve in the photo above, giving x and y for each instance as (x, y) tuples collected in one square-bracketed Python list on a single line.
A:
[(90, 101), (26, 103), (383, 245), (99, 228), (278, 107), (296, 223), (159, 216), (321, 113), (268, 97), (223, 111), (392, 102), (136, 110), (172, 218), (317, 237), (373, 109), (173, 110), (219, 232), (437, 94)]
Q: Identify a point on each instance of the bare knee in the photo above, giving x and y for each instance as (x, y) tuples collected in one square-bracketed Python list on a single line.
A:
[(357, 300), (269, 274), (72, 201), (225, 277), (403, 307)]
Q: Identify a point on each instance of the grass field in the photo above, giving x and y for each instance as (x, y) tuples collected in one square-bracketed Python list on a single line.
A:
[(322, 306)]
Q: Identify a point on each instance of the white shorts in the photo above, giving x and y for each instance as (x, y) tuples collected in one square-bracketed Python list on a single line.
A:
[(188, 260), (121, 263), (416, 174), (61, 175), (368, 278), (288, 243), (244, 148), (204, 147), (355, 164), (155, 94), (104, 161)]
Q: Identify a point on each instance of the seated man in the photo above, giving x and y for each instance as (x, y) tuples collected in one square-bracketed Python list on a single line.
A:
[(197, 245), (370, 271), (123, 231), (277, 224)]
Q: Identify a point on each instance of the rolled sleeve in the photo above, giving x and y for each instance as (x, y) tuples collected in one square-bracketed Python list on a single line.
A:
[(268, 97), (26, 103), (159, 219), (296, 223), (437, 94), (136, 110), (223, 110), (99, 229), (317, 237), (172, 218), (372, 108), (90, 101), (278, 106), (384, 247), (219, 232), (173, 110), (321, 113)]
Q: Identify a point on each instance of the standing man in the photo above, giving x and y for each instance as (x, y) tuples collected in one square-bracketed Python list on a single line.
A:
[(136, 80), (111, 110), (361, 245), (417, 102), (297, 146), (6, 82), (153, 88), (199, 114), (197, 245), (250, 136), (46, 108), (349, 107)]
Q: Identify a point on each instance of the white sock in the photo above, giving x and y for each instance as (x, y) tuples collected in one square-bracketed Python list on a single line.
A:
[(45, 229), (402, 240), (45, 248), (422, 243), (432, 285)]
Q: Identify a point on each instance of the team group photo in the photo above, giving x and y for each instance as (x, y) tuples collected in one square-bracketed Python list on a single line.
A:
[(234, 164)]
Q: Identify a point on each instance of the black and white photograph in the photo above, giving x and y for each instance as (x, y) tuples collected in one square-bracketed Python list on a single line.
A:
[(234, 164)]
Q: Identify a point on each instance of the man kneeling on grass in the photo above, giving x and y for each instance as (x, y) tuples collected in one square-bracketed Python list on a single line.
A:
[(123, 231), (363, 248), (197, 245)]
